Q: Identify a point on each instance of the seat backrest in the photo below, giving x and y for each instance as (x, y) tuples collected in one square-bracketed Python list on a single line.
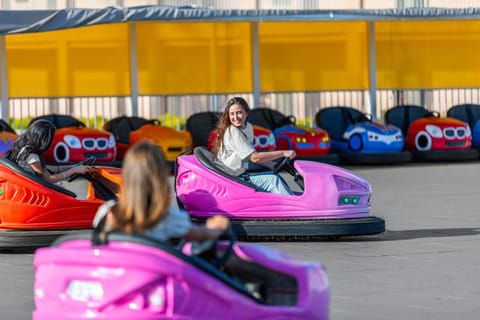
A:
[(120, 128), (207, 159), (59, 120), (200, 125), (5, 127), (403, 116), (469, 113), (267, 118), (137, 122), (17, 169), (333, 120)]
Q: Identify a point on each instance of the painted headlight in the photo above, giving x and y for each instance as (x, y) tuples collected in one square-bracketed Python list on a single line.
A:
[(271, 138), (433, 130), (111, 141), (72, 141), (81, 290)]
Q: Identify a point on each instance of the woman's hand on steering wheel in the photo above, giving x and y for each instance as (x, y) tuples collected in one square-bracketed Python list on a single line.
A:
[(287, 156), (207, 250)]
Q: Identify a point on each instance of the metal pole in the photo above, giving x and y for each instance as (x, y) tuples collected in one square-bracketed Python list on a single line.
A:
[(4, 79), (372, 70), (133, 70), (255, 66)]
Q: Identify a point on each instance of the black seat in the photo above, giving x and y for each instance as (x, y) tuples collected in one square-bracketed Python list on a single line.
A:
[(121, 127), (469, 113), (268, 118), (335, 120), (206, 158), (403, 116), (200, 125), (5, 127), (59, 120)]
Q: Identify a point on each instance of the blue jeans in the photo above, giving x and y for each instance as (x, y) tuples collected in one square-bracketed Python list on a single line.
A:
[(268, 182)]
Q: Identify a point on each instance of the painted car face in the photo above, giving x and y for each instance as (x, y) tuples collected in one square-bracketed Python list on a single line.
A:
[(442, 133), (129, 130), (74, 142), (372, 137), (305, 142), (263, 139), (171, 141)]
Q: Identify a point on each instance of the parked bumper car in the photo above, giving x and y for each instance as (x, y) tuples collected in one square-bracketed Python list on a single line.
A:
[(309, 144), (359, 140), (432, 137)]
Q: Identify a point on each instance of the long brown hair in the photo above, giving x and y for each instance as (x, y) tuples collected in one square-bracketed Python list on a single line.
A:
[(145, 197), (224, 122)]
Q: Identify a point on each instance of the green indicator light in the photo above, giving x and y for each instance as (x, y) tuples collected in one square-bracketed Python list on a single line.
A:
[(1, 192), (346, 200), (355, 200)]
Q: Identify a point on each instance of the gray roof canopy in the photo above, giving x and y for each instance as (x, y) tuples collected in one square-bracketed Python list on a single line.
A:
[(24, 21)]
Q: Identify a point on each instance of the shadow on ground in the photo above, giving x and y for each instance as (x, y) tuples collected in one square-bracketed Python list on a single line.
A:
[(396, 235)]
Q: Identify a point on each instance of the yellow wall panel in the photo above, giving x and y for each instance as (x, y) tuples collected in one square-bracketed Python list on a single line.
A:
[(188, 58), (428, 54), (309, 56), (88, 61)]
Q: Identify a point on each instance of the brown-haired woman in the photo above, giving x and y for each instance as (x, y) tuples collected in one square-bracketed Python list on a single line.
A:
[(144, 206), (233, 147)]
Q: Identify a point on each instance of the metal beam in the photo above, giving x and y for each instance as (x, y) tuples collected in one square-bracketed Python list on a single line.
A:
[(4, 112)]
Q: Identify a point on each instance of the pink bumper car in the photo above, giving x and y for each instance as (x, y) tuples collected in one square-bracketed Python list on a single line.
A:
[(132, 277)]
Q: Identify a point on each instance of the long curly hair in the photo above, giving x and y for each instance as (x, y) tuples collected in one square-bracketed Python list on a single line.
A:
[(224, 122), (145, 197), (36, 139)]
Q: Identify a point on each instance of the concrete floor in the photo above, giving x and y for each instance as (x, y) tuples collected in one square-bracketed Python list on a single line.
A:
[(425, 266)]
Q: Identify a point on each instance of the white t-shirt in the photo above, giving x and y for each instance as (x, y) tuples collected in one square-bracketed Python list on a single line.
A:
[(176, 223), (237, 146), (31, 159)]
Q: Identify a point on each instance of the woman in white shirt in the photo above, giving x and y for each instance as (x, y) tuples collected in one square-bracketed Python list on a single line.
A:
[(234, 147)]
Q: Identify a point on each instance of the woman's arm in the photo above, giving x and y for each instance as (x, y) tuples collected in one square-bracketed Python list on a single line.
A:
[(52, 178), (260, 157), (214, 227)]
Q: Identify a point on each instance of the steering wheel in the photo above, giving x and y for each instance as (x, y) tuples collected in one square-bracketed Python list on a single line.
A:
[(207, 250), (279, 165), (87, 162)]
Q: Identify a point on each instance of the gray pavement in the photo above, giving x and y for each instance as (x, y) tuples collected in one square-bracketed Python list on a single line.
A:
[(426, 266)]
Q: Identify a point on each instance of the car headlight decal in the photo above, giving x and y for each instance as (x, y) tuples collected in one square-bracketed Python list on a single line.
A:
[(111, 141), (72, 141), (433, 130)]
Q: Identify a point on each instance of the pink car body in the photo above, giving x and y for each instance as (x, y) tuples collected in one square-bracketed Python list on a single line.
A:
[(127, 279), (334, 201)]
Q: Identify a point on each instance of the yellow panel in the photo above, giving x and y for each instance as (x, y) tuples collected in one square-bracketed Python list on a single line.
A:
[(304, 56), (428, 54), (89, 61), (186, 57)]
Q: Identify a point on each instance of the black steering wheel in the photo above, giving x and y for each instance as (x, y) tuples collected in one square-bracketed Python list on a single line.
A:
[(207, 250), (87, 162), (279, 165)]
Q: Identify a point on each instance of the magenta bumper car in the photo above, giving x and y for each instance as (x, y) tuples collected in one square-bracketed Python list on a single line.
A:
[(328, 202), (132, 277)]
